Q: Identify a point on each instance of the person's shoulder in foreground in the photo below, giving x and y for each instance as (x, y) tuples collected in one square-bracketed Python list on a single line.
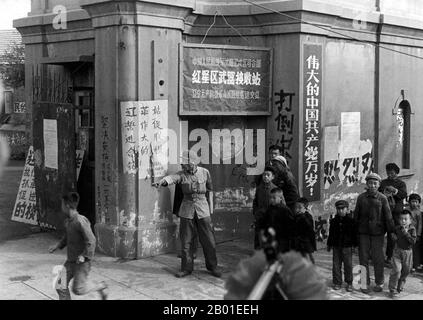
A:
[(298, 278)]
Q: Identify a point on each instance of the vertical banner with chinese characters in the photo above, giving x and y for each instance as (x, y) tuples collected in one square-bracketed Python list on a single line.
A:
[(153, 154), (144, 137), (312, 73), (25, 209), (225, 80)]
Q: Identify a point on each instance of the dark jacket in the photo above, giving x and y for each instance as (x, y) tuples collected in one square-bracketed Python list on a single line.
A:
[(261, 199), (281, 219), (372, 214), (399, 197), (342, 232), (304, 235), (405, 239), (285, 180), (78, 238)]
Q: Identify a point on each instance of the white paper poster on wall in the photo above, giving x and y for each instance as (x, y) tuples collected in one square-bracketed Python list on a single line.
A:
[(144, 137), (350, 134), (50, 144), (152, 152), (331, 143)]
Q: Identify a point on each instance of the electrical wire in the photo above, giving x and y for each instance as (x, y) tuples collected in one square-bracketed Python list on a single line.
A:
[(227, 23), (332, 31), (232, 27), (211, 26)]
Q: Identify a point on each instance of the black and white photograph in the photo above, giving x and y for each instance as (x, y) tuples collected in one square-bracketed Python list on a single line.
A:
[(218, 152)]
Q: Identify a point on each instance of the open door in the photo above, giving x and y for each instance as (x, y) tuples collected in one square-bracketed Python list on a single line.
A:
[(54, 154)]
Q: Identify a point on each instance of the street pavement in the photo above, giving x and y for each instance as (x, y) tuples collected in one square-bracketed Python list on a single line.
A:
[(9, 182), (26, 273)]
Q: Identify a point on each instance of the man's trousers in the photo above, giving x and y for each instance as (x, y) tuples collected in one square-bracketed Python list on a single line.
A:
[(342, 256), (207, 241), (372, 247)]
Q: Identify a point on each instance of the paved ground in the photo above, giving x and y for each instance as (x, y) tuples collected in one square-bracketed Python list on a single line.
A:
[(26, 273), (9, 183)]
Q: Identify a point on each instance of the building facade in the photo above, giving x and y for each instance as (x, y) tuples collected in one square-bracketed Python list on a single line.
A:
[(344, 101)]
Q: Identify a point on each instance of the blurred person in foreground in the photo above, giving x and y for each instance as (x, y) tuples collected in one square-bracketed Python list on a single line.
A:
[(4, 154), (298, 279)]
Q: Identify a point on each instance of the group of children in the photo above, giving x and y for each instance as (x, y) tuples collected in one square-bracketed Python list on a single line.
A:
[(295, 231), (294, 227), (343, 237)]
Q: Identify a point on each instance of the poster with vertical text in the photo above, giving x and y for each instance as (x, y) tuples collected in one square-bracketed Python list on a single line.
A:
[(312, 98), (144, 138)]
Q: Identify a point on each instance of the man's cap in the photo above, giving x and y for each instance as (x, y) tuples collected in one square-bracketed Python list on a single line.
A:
[(392, 166), (341, 204), (414, 196), (373, 176), (189, 156)]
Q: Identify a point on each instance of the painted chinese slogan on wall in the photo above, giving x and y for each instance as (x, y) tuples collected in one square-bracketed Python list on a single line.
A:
[(312, 105), (284, 121), (348, 160), (144, 137), (225, 80)]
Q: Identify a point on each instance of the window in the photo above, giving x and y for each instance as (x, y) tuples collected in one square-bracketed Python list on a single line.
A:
[(403, 142)]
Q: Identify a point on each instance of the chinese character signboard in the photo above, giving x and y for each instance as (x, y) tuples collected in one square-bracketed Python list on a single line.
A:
[(225, 80), (144, 137), (312, 88)]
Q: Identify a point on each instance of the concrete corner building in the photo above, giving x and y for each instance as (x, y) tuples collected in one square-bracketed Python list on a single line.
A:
[(345, 99)]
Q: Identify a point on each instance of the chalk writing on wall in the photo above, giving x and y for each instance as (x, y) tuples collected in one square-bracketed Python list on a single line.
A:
[(106, 171), (234, 199), (285, 123)]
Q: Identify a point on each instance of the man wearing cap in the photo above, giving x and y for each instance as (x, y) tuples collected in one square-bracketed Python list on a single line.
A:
[(373, 218), (396, 191), (194, 213)]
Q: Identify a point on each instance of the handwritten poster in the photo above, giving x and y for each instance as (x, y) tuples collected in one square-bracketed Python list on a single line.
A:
[(331, 141), (25, 209), (50, 144), (144, 135), (350, 134)]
